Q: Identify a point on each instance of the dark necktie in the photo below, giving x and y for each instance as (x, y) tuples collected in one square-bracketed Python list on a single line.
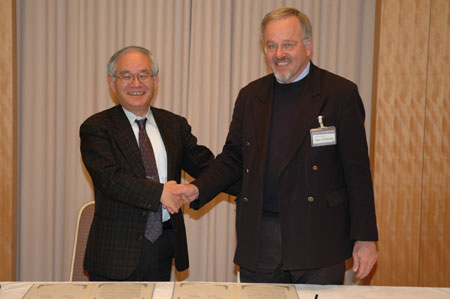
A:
[(154, 220)]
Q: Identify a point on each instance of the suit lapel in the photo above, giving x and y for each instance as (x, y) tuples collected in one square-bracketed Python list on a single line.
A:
[(262, 109), (165, 129), (126, 140), (308, 108)]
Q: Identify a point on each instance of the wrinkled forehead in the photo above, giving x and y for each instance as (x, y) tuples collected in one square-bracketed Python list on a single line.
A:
[(133, 61), (284, 29)]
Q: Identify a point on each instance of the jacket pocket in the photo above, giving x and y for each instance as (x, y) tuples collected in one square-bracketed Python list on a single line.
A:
[(337, 197)]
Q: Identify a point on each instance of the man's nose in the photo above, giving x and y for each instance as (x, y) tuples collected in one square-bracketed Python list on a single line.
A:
[(135, 81), (280, 52)]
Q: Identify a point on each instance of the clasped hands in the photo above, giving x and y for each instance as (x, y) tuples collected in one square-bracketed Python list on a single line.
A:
[(174, 195)]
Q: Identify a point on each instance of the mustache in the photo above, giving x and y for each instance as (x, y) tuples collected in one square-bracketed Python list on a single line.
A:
[(282, 59)]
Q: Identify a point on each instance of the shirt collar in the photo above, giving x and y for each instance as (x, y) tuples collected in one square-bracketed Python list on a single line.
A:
[(133, 117)]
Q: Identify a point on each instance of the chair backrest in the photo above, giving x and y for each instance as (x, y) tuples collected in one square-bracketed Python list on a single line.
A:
[(84, 221)]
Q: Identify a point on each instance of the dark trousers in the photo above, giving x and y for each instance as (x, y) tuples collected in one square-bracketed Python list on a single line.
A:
[(270, 265), (155, 263)]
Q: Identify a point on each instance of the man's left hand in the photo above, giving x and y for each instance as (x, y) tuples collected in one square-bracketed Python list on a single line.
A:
[(364, 257)]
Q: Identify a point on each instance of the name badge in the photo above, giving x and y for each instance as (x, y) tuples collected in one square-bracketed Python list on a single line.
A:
[(323, 136)]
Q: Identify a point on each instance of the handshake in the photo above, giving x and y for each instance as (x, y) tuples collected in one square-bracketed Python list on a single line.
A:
[(175, 195)]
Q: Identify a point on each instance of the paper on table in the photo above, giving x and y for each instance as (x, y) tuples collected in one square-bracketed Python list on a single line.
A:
[(267, 291), (121, 290), (91, 290), (203, 290), (234, 291), (57, 290)]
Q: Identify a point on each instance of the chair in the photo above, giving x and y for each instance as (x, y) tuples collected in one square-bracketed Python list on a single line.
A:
[(84, 221)]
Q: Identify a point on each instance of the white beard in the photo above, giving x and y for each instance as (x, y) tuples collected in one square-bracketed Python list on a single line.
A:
[(283, 77)]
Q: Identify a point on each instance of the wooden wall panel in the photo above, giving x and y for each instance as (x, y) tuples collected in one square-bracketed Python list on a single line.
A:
[(8, 227), (435, 235), (397, 152)]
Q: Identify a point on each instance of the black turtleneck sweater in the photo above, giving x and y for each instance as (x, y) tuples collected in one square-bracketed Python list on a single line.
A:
[(285, 100)]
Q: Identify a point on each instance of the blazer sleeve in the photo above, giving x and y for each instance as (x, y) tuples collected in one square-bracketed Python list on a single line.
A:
[(225, 172), (353, 153), (195, 157)]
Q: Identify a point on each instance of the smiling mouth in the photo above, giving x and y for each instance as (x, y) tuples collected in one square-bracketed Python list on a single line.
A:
[(282, 61), (135, 93)]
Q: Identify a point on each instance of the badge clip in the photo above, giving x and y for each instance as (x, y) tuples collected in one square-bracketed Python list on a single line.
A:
[(323, 136)]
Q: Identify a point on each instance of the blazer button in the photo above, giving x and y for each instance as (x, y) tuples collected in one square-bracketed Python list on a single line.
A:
[(247, 143), (247, 170), (310, 199), (245, 199), (315, 167)]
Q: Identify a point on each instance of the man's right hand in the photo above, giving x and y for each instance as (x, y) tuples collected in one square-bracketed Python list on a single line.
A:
[(169, 199)]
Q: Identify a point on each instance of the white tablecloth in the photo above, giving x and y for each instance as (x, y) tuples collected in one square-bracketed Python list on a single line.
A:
[(164, 290)]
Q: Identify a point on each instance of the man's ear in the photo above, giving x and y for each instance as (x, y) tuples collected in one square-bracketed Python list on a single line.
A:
[(308, 47), (156, 82), (112, 83)]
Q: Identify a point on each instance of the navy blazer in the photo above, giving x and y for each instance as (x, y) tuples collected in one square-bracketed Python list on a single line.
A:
[(325, 193), (123, 195)]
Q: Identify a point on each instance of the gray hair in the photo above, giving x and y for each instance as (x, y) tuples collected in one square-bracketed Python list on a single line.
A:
[(111, 67), (283, 12)]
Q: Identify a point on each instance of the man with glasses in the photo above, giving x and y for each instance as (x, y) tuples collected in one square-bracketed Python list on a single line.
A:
[(135, 154), (297, 141)]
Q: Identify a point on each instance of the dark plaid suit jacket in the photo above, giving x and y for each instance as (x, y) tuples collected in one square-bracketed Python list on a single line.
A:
[(123, 195)]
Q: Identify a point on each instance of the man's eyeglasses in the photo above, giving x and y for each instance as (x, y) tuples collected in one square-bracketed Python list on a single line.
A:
[(128, 78), (285, 46)]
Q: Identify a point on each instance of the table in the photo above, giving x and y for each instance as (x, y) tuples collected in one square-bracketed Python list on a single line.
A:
[(164, 290)]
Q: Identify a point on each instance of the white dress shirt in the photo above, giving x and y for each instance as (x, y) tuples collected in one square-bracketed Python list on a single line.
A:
[(157, 144)]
